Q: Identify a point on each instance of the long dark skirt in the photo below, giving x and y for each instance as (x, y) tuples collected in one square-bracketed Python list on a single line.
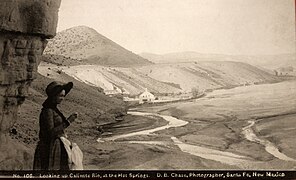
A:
[(51, 156)]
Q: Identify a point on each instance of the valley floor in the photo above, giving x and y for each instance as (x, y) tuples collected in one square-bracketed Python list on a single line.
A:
[(249, 127)]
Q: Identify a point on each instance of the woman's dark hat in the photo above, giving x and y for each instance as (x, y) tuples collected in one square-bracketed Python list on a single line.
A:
[(54, 88)]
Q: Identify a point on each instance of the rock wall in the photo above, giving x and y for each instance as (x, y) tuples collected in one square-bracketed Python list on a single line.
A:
[(24, 27)]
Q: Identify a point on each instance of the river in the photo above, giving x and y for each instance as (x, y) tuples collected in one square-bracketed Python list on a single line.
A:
[(207, 153), (172, 123), (236, 95), (269, 146)]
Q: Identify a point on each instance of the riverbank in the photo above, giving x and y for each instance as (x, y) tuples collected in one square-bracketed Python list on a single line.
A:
[(216, 121), (110, 154), (215, 125), (149, 149), (280, 130)]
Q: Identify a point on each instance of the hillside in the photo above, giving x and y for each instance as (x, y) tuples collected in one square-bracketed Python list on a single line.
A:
[(84, 45), (187, 56), (208, 75), (128, 80), (93, 106), (165, 78), (271, 62)]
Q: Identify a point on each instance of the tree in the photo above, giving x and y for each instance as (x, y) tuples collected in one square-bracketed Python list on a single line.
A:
[(195, 91)]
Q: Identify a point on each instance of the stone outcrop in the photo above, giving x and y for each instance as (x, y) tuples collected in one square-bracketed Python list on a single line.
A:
[(24, 27), (37, 17)]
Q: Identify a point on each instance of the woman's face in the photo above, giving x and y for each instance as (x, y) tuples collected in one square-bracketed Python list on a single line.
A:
[(60, 97)]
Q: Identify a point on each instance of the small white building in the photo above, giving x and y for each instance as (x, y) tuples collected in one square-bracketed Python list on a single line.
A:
[(146, 97), (128, 99), (112, 92)]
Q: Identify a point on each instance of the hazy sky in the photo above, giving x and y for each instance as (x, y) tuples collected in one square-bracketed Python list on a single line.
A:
[(205, 26)]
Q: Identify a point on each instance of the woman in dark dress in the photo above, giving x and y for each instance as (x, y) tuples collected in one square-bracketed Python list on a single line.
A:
[(50, 153)]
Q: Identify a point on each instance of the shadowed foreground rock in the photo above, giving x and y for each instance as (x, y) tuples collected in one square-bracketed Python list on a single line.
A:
[(24, 27)]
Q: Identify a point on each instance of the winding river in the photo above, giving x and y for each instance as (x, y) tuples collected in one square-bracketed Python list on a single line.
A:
[(172, 122), (203, 152), (269, 146)]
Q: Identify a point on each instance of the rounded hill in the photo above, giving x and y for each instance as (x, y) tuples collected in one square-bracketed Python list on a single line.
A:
[(87, 46)]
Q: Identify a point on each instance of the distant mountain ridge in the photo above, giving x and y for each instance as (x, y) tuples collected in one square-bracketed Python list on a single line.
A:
[(265, 61), (87, 46), (185, 56)]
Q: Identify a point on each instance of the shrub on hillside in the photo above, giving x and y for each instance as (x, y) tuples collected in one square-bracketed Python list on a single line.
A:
[(195, 91)]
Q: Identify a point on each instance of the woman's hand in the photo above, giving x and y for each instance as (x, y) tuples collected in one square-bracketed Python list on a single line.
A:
[(72, 117)]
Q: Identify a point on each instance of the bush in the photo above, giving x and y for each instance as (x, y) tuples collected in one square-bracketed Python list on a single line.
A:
[(195, 91)]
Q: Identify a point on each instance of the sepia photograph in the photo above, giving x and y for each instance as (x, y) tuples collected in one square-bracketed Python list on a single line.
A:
[(148, 85)]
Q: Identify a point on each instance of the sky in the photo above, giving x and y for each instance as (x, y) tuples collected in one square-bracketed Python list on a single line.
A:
[(235, 27)]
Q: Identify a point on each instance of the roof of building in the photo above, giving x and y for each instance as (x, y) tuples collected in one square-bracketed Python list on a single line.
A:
[(146, 93)]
